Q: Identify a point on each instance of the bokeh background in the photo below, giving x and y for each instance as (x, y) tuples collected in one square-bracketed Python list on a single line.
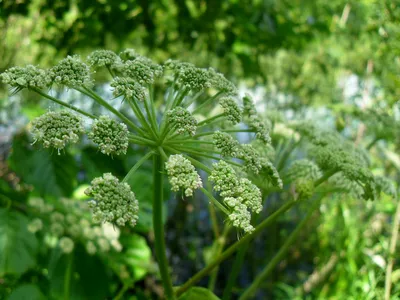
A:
[(314, 60)]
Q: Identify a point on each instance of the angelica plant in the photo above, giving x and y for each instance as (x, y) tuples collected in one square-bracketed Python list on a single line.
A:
[(186, 117)]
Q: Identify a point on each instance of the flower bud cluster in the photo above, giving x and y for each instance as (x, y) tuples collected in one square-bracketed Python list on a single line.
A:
[(303, 168), (227, 144), (254, 121), (103, 58), (67, 224), (111, 136), (239, 195), (26, 77), (231, 109), (182, 175), (71, 71), (113, 202), (57, 129), (128, 88), (182, 121), (138, 71), (219, 82), (191, 77)]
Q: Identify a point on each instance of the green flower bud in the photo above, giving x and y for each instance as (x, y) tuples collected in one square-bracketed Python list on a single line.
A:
[(139, 71), (304, 188), (57, 129), (71, 71), (182, 174), (303, 168), (57, 229), (113, 202), (35, 225), (103, 58), (269, 170), (251, 158), (66, 244), (254, 121), (104, 244), (128, 54), (219, 82), (238, 195), (91, 248), (26, 77), (128, 88), (111, 136), (57, 217), (157, 69), (182, 121), (231, 109), (250, 194), (194, 79), (227, 144)]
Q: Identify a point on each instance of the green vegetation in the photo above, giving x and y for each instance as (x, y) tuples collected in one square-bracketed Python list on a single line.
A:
[(199, 149)]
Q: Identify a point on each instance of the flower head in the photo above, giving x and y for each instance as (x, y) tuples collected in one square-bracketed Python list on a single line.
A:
[(192, 78), (254, 121), (71, 71), (111, 136), (57, 129), (182, 174), (231, 109), (139, 71), (66, 244), (219, 82), (26, 77), (113, 202), (103, 58), (128, 88), (227, 144), (182, 121)]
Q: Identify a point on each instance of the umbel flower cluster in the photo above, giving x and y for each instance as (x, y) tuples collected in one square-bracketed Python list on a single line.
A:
[(188, 117), (69, 223)]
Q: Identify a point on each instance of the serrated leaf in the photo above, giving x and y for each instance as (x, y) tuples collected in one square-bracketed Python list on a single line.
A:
[(26, 292), (198, 293), (18, 246)]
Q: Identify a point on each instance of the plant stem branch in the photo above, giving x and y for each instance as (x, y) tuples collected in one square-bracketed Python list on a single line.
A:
[(160, 249), (228, 252), (249, 292), (392, 249), (137, 166)]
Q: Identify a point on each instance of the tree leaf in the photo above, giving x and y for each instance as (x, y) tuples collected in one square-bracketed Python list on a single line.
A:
[(26, 292), (18, 246), (198, 293)]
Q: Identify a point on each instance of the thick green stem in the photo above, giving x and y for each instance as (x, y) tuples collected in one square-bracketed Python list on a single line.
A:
[(63, 103), (228, 252), (159, 236), (249, 292)]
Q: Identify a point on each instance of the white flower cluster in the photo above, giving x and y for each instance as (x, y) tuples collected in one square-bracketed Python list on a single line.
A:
[(103, 58), (71, 71), (111, 136), (113, 202), (128, 88), (182, 174), (182, 121), (68, 224), (254, 120), (26, 77), (239, 195), (57, 129), (231, 109)]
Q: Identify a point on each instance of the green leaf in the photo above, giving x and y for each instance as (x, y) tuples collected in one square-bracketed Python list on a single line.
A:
[(50, 173), (26, 292), (198, 293), (137, 255), (18, 246), (88, 278)]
